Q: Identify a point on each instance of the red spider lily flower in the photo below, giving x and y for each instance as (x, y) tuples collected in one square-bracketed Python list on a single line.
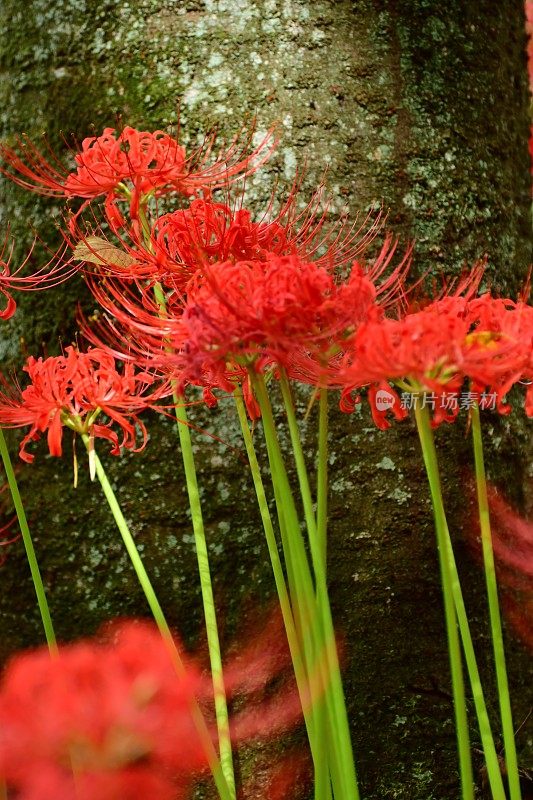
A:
[(73, 390), (500, 351), (435, 350), (56, 271), (209, 232), (114, 712), (184, 242), (423, 348), (259, 312), (131, 164)]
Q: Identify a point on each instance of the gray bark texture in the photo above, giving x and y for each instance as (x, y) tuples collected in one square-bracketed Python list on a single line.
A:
[(416, 104)]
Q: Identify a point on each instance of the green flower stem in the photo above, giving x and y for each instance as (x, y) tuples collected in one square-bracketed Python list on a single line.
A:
[(343, 769), (270, 536), (145, 225), (300, 582), (487, 739), (305, 687), (463, 740), (217, 675), (339, 720), (303, 479), (28, 544), (489, 748), (206, 585), (303, 597), (511, 762), (159, 617), (322, 476)]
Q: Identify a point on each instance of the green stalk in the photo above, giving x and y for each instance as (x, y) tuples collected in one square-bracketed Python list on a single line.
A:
[(270, 536), (338, 719), (489, 748), (305, 686), (322, 476), (303, 479), (28, 544), (342, 764), (301, 587), (206, 585), (487, 739), (213, 643), (511, 762), (300, 582), (159, 617), (463, 740)]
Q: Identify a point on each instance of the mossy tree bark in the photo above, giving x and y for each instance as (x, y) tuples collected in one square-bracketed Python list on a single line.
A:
[(417, 104)]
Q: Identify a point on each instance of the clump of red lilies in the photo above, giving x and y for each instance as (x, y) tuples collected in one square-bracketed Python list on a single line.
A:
[(85, 392), (485, 342), (205, 293), (197, 292)]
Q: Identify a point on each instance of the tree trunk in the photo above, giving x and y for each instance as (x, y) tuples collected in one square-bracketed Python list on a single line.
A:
[(416, 104)]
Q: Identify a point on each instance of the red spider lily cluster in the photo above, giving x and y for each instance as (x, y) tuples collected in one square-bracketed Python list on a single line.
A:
[(112, 718), (131, 164), (210, 296), (486, 342), (75, 390), (204, 295)]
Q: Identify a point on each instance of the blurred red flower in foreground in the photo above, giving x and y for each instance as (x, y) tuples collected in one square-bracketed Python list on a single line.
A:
[(74, 390), (512, 541), (111, 719), (114, 711)]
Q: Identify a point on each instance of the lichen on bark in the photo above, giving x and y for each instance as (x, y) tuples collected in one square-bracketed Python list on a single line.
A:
[(405, 105)]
